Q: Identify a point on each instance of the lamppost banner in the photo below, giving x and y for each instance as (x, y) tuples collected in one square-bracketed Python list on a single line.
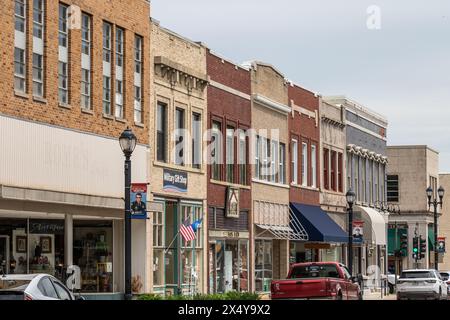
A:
[(441, 245), (358, 233), (138, 201)]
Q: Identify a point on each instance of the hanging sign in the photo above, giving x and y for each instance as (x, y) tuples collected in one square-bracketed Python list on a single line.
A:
[(232, 205), (358, 231), (441, 245), (139, 201), (175, 180)]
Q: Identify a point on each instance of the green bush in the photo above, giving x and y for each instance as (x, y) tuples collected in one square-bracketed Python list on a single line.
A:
[(150, 296), (231, 295)]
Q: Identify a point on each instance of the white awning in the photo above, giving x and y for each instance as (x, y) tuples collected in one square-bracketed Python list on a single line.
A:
[(379, 224), (294, 231)]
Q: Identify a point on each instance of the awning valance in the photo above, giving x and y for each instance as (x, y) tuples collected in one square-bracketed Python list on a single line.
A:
[(295, 231), (378, 224), (318, 225)]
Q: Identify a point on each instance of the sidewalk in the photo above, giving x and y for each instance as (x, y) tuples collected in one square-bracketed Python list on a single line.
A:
[(377, 296)]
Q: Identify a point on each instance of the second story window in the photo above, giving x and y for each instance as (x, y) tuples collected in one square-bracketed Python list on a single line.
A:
[(180, 143), (196, 140), (20, 46), (392, 188), (340, 169), (333, 170), (294, 161), (304, 164), (229, 149), (216, 151), (38, 48), (242, 158), (38, 75), (107, 31), (138, 79), (281, 166), (86, 62), (161, 132), (63, 63), (38, 18), (313, 166), (119, 105), (326, 165)]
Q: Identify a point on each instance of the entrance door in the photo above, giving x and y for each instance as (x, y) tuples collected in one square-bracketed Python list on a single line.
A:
[(171, 244), (228, 272), (4, 254)]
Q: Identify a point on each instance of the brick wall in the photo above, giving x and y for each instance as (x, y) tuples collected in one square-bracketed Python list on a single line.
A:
[(132, 15), (304, 129)]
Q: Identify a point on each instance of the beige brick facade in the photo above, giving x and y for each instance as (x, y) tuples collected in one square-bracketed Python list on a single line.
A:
[(132, 15)]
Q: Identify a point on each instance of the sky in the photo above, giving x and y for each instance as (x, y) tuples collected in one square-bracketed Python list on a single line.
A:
[(392, 56)]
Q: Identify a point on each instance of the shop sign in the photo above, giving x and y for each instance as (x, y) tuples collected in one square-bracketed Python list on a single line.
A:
[(441, 245), (139, 201), (46, 228), (229, 234), (358, 227), (232, 205), (175, 180)]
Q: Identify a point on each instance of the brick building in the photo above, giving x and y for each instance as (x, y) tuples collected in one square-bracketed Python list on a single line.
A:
[(178, 120), (305, 182), (62, 177), (229, 195)]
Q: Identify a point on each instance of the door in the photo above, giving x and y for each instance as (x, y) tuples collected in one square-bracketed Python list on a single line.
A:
[(171, 244), (4, 254), (228, 272)]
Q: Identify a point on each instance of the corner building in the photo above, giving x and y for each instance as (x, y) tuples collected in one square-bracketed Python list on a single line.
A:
[(62, 180)]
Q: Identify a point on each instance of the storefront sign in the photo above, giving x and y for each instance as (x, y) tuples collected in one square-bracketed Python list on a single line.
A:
[(232, 205), (139, 201), (358, 227), (441, 245), (46, 227), (229, 234), (175, 181)]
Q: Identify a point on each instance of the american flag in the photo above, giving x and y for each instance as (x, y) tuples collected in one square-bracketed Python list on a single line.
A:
[(187, 231)]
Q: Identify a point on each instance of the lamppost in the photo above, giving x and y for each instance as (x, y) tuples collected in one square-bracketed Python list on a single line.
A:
[(127, 142), (350, 200), (435, 203)]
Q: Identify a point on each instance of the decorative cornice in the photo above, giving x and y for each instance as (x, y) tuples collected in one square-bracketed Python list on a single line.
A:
[(266, 102)]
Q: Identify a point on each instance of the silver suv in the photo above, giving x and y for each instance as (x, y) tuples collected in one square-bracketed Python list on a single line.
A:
[(421, 284)]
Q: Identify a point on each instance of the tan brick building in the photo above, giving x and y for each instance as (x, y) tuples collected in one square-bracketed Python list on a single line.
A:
[(177, 168), (269, 251), (75, 74)]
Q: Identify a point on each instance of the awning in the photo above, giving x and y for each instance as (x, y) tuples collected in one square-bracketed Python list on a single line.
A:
[(318, 225), (378, 223), (295, 231)]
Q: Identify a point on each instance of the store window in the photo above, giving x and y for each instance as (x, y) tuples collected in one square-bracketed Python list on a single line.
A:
[(93, 253), (263, 265), (32, 246), (158, 251)]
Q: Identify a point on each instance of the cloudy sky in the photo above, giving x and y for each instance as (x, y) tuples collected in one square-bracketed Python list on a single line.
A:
[(401, 70)]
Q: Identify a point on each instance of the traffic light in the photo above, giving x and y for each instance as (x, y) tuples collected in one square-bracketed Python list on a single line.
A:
[(416, 248), (423, 247), (404, 243)]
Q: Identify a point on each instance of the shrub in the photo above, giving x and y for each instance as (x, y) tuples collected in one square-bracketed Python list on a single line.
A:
[(150, 296)]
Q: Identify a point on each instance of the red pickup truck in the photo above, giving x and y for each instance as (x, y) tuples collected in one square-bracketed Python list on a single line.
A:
[(317, 280)]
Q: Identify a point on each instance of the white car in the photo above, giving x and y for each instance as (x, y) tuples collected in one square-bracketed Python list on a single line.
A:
[(445, 275), (421, 284), (33, 287)]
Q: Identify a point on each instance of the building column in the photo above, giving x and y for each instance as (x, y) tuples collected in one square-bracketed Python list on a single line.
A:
[(68, 240)]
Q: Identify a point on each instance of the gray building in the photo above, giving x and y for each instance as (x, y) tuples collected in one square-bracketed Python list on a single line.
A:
[(366, 160)]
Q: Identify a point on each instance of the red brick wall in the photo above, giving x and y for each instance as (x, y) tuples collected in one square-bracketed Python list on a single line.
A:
[(304, 129), (132, 15), (229, 109)]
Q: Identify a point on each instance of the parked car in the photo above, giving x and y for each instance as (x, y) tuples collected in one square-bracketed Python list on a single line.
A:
[(391, 282), (33, 287), (445, 275), (317, 280), (421, 284)]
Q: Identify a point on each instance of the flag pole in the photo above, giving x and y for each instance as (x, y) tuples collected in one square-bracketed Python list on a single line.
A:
[(173, 240)]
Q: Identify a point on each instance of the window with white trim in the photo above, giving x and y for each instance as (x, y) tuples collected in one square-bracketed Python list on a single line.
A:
[(229, 150), (313, 166), (119, 104), (304, 164), (107, 48), (63, 70), (242, 158), (106, 95), (86, 61), (281, 161), (138, 79), (20, 46), (38, 75), (294, 161)]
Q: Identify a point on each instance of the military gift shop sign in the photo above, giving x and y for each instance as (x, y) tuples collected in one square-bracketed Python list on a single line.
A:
[(175, 181)]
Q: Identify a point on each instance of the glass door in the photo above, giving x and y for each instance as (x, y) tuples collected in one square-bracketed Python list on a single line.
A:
[(171, 244)]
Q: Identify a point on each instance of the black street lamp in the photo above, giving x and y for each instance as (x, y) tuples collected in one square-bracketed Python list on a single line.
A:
[(435, 204), (350, 200), (127, 142)]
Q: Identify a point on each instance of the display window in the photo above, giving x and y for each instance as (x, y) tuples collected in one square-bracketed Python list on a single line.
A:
[(229, 266), (93, 253), (263, 265)]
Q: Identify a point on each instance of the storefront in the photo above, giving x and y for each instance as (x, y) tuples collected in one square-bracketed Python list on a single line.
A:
[(177, 264), (325, 237)]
